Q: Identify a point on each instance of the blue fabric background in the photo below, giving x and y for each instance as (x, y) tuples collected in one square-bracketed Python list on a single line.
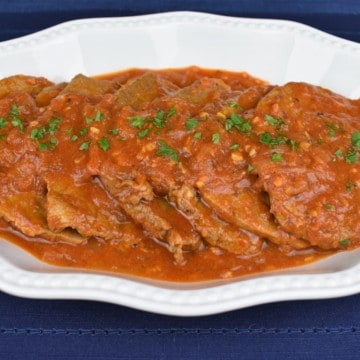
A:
[(34, 329)]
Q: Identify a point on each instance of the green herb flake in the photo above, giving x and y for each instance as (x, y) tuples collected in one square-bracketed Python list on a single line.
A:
[(83, 131), (234, 146), (38, 134), (355, 139), (338, 153), (350, 185), (238, 122), (332, 128), (14, 112), (198, 135), (53, 125), (74, 137), (294, 145), (68, 131), (191, 124), (104, 144), (274, 122), (89, 120), (215, 138), (235, 105), (171, 113), (276, 157), (114, 132), (266, 138), (136, 121), (166, 150), (3, 136), (351, 156), (250, 168), (3, 122), (14, 115), (327, 206), (53, 141), (98, 116), (143, 133), (43, 146), (344, 242), (85, 145), (18, 123), (159, 120)]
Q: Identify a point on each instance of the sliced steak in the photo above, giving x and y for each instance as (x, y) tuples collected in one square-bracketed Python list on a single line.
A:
[(305, 152)]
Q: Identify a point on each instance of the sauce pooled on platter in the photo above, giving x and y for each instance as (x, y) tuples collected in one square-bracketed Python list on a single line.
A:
[(178, 174)]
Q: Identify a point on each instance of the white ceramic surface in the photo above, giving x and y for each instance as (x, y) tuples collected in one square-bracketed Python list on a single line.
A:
[(278, 51)]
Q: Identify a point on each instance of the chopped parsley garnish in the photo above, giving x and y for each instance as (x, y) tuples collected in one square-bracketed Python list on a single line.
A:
[(68, 131), (43, 146), (191, 124), (250, 168), (234, 146), (104, 144), (293, 144), (98, 117), (3, 122), (166, 150), (355, 139), (267, 139), (37, 134), (351, 156), (333, 128), (136, 121), (350, 185), (344, 242), (238, 122), (235, 105), (276, 157), (53, 141), (15, 119), (274, 122), (338, 153), (14, 112), (85, 145), (327, 206), (83, 131), (159, 120), (18, 123), (198, 135), (53, 125), (143, 133), (171, 113), (215, 138), (114, 131), (74, 137)]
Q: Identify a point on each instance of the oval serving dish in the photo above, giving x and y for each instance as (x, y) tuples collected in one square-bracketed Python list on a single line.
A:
[(274, 50)]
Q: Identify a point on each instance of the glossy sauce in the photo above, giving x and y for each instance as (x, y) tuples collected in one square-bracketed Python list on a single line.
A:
[(152, 259), (156, 262)]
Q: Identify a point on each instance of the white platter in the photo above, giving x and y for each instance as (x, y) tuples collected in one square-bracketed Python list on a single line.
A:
[(277, 51)]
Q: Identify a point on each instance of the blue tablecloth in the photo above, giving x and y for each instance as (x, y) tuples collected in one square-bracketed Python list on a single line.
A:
[(34, 329)]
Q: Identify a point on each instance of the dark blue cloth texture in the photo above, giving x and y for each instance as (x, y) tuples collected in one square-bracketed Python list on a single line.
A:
[(40, 329), (34, 329)]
